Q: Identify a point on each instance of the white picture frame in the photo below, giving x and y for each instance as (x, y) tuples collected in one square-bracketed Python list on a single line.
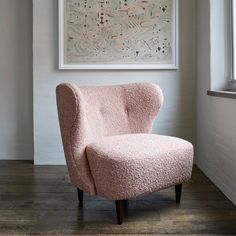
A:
[(103, 66)]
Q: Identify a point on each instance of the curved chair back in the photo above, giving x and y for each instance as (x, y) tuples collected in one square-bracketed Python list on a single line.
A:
[(87, 114)]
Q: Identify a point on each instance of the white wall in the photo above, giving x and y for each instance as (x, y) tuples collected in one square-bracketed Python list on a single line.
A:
[(216, 117), (176, 118), (16, 112)]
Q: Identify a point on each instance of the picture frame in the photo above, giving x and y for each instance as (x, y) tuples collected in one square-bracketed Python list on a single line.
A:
[(63, 49)]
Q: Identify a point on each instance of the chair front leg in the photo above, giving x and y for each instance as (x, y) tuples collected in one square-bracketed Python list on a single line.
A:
[(178, 190), (120, 211), (80, 196)]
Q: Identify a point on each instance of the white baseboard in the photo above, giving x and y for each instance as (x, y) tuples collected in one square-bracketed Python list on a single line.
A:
[(16, 157), (49, 159)]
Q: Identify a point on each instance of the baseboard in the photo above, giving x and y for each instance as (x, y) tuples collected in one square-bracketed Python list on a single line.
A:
[(49, 159), (16, 157)]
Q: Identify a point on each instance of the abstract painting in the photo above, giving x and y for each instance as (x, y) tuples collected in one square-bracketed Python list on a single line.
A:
[(118, 34)]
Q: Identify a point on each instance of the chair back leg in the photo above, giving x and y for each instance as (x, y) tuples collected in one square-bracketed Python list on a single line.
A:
[(120, 211), (80, 196), (178, 190)]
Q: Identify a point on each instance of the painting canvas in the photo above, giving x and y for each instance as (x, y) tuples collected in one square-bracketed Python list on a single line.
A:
[(122, 34)]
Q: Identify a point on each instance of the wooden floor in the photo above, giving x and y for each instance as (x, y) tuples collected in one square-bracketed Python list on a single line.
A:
[(40, 200)]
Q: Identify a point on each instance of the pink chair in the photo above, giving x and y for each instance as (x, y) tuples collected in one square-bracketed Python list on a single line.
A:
[(108, 146)]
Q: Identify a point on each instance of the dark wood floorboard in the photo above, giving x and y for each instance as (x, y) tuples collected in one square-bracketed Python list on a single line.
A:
[(40, 200)]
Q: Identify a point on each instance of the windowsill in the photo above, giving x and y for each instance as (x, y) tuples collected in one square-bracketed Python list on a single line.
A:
[(222, 94)]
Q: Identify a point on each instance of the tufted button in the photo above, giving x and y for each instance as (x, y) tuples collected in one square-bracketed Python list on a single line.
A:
[(126, 110)]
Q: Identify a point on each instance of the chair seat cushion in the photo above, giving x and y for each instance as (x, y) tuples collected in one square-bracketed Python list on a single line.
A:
[(126, 166)]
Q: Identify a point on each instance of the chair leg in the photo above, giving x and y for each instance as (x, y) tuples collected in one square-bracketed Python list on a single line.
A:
[(120, 211), (178, 189), (80, 196)]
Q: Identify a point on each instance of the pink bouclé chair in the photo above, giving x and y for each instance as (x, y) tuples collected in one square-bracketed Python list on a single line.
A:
[(108, 146)]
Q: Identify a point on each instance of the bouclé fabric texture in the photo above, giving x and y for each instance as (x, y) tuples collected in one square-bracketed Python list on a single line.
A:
[(132, 165), (107, 142)]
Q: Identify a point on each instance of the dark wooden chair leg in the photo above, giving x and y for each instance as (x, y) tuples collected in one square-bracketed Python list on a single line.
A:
[(80, 196), (119, 211), (178, 189)]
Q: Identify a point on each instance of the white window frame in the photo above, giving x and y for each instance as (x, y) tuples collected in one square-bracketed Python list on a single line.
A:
[(232, 82)]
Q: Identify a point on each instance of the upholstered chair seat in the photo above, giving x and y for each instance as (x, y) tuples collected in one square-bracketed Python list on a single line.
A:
[(126, 166), (108, 145)]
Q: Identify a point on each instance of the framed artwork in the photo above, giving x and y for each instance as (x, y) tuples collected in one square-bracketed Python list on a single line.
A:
[(118, 34)]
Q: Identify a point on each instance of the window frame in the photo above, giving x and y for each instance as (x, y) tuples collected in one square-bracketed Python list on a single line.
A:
[(232, 42)]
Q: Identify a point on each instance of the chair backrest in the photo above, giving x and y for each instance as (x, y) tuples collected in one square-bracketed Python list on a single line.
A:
[(87, 114)]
